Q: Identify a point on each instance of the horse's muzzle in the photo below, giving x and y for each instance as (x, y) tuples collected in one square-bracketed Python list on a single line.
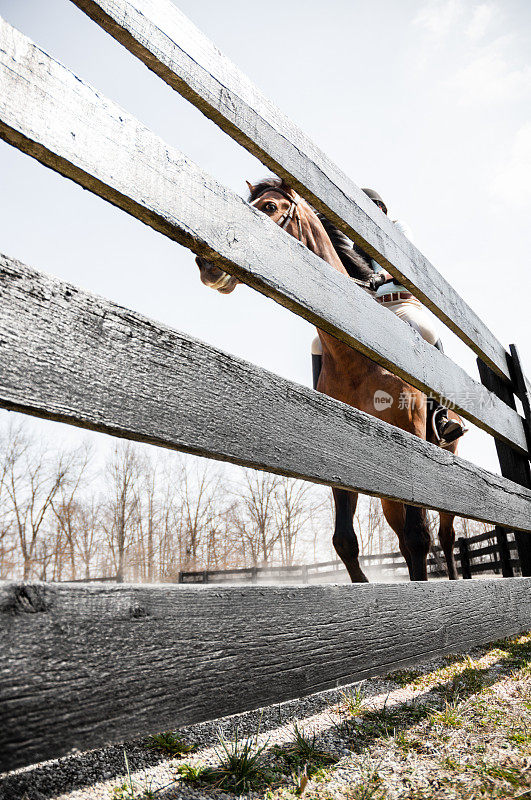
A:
[(214, 277)]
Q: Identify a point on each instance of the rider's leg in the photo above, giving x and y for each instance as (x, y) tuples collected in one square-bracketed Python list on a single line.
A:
[(317, 360), (446, 430)]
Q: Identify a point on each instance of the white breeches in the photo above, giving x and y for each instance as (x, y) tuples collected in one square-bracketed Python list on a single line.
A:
[(411, 311)]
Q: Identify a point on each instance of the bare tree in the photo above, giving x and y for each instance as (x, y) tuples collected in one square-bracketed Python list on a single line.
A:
[(170, 520), (254, 515), (470, 527), (7, 542), (32, 480), (88, 538), (375, 536), (292, 510), (122, 472), (147, 496), (68, 510), (200, 511)]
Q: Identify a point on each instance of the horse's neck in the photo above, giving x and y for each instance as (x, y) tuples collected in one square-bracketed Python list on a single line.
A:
[(317, 240)]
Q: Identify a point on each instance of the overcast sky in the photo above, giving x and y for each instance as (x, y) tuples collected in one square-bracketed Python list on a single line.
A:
[(427, 101)]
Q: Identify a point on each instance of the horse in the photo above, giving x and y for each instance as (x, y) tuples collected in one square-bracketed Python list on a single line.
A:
[(352, 378)]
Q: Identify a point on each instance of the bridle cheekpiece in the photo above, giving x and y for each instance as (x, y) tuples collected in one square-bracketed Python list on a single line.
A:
[(293, 210)]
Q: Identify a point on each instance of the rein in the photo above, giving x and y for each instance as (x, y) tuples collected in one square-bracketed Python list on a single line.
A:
[(365, 284)]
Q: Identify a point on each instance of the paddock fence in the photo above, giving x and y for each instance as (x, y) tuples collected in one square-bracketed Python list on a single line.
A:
[(83, 665), (494, 551)]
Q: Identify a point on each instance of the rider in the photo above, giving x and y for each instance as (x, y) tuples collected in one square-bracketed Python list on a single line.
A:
[(399, 300)]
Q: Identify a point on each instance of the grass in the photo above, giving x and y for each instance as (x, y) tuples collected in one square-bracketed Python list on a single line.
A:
[(449, 717), (465, 735), (170, 743), (131, 790), (405, 677), (409, 743), (353, 701), (369, 786), (305, 759), (193, 773), (304, 748), (520, 737), (467, 681), (241, 767), (460, 700), (244, 766), (377, 723)]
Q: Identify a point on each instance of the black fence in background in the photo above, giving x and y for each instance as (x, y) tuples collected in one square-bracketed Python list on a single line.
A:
[(492, 552)]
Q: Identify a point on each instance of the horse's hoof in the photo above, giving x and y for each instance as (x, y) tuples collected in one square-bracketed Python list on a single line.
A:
[(359, 578)]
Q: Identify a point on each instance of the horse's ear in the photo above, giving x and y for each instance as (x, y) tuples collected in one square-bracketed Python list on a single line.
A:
[(251, 187)]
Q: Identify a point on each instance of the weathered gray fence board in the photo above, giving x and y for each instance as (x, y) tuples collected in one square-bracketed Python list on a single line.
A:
[(70, 356), (82, 666), (169, 44), (50, 114)]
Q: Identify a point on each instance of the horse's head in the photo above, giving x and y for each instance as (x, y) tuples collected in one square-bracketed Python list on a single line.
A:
[(281, 204), (284, 206), (273, 198)]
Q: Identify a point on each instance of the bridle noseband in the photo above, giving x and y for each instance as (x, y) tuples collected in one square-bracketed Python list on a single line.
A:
[(293, 210)]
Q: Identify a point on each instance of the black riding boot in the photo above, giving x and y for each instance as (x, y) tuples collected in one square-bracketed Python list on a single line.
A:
[(317, 361)]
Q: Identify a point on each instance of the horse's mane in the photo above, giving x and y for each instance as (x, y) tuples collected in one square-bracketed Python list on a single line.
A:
[(356, 261)]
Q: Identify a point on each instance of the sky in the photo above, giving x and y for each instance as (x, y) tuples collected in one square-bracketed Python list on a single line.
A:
[(427, 101)]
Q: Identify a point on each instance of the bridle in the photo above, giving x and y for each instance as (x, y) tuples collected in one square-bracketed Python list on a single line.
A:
[(293, 210)]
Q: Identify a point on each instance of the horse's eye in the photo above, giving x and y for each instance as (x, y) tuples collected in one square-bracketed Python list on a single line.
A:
[(269, 208)]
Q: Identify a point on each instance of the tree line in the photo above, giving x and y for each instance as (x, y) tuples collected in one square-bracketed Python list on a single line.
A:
[(147, 514)]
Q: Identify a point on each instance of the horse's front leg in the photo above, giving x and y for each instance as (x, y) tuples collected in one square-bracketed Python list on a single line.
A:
[(411, 526), (416, 537), (447, 541), (345, 540)]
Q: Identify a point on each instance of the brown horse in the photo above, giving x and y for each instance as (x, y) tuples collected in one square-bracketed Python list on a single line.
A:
[(351, 377)]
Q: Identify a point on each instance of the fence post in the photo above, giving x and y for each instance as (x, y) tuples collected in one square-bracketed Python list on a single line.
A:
[(464, 552), (254, 574), (180, 578), (504, 552), (522, 391), (304, 573), (205, 576), (513, 465)]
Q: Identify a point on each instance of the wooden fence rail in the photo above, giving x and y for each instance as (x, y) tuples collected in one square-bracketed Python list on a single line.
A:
[(82, 666), (112, 370)]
